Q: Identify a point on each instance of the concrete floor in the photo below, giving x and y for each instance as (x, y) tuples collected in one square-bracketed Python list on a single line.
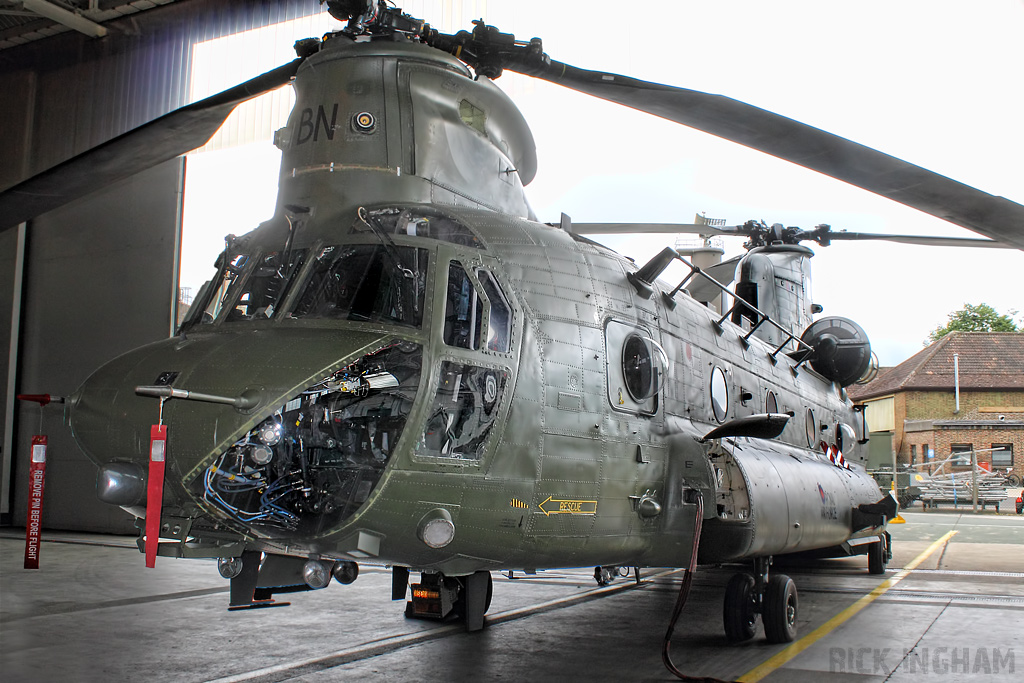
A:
[(94, 613)]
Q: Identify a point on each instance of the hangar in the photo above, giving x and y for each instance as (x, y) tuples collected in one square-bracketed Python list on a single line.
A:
[(105, 274)]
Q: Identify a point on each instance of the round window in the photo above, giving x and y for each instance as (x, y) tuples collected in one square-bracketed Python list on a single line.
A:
[(719, 394), (811, 428), (643, 364), (845, 438), (771, 405)]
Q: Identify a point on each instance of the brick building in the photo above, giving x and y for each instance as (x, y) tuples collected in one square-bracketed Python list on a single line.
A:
[(912, 408)]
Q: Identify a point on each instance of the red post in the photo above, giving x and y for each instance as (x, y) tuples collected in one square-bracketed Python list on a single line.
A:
[(34, 520), (155, 490)]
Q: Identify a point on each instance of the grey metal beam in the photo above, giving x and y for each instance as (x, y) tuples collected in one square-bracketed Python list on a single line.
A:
[(63, 16)]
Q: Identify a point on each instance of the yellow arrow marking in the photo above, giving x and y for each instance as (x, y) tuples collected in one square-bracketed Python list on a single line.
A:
[(571, 507)]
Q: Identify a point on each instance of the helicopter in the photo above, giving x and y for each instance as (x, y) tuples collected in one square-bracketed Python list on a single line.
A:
[(403, 367)]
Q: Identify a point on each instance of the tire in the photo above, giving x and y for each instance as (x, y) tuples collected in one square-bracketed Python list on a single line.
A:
[(459, 608), (780, 609), (738, 611), (1013, 480), (877, 557)]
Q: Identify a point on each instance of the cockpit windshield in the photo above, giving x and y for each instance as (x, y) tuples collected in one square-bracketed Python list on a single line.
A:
[(248, 286), (264, 290), (366, 282)]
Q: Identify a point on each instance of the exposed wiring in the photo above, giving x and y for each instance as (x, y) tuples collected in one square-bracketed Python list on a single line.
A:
[(220, 480)]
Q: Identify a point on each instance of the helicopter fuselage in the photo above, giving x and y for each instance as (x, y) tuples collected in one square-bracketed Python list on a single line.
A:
[(435, 380)]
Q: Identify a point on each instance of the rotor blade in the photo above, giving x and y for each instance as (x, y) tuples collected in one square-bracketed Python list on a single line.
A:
[(799, 143), (924, 240), (171, 135), (669, 228)]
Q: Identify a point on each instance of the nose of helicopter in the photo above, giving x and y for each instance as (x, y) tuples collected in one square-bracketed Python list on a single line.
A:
[(262, 368)]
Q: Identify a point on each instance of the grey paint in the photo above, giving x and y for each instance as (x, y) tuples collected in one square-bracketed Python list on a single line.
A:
[(12, 265), (16, 124), (97, 282)]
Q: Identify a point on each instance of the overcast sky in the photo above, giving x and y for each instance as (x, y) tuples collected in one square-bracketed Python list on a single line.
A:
[(934, 82)]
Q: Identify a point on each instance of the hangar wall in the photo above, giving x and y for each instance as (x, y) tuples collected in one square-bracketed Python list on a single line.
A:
[(100, 274), (98, 277)]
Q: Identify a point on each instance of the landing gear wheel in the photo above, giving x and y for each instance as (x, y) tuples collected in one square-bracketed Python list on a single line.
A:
[(779, 610), (605, 575), (738, 611), (474, 599), (878, 557)]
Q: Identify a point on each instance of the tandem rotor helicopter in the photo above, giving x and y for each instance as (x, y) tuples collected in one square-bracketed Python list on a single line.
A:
[(403, 367)]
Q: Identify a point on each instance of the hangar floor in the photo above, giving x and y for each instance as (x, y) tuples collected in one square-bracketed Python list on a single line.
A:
[(94, 613)]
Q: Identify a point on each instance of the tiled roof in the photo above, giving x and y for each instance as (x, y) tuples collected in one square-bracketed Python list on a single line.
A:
[(988, 360)]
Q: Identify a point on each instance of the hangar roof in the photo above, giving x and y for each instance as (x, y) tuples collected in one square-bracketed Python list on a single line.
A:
[(23, 21)]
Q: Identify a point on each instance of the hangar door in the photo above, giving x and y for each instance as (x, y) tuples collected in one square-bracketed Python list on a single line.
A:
[(100, 279)]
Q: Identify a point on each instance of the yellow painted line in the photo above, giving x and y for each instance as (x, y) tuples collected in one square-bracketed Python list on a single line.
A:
[(762, 670)]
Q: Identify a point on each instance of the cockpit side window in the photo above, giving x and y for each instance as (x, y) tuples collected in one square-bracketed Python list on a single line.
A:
[(215, 294), (499, 320), (265, 288), (464, 411), (463, 311)]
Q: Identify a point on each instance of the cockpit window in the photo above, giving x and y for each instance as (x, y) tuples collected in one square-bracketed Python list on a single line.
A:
[(215, 294), (463, 413), (464, 310), (371, 282), (265, 289), (499, 320), (424, 223)]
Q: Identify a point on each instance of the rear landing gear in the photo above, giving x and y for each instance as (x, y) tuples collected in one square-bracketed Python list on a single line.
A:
[(774, 598), (779, 610), (605, 575), (740, 611), (879, 554)]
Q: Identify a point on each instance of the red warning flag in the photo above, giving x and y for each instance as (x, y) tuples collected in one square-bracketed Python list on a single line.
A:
[(155, 490), (34, 521)]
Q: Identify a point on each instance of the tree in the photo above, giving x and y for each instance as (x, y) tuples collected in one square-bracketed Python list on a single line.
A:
[(971, 318)]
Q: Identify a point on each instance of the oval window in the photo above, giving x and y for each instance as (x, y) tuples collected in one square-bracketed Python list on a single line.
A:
[(719, 394), (771, 405), (643, 365), (811, 429)]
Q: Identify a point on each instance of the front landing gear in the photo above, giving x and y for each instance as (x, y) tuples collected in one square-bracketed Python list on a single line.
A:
[(774, 598), (450, 597)]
